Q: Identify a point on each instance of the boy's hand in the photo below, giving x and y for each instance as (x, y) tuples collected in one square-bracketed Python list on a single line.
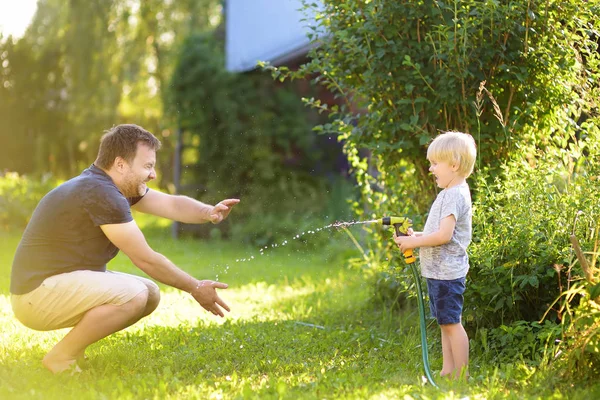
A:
[(406, 242)]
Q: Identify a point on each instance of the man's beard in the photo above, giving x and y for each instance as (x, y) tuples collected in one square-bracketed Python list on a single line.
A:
[(134, 188)]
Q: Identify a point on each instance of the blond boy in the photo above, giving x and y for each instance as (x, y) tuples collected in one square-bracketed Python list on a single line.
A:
[(443, 243)]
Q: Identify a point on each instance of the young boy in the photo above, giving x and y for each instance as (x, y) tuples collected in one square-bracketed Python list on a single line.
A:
[(443, 243)]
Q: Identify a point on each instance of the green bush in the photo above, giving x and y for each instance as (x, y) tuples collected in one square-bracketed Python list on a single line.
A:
[(530, 342), (522, 78), (19, 195), (521, 253), (405, 70), (581, 330), (251, 138)]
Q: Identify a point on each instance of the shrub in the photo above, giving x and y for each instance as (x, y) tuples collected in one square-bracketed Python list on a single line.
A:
[(521, 253), (19, 195), (406, 70), (409, 69)]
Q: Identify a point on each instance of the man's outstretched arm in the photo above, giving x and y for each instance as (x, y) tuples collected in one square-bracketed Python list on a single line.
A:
[(129, 238), (183, 208)]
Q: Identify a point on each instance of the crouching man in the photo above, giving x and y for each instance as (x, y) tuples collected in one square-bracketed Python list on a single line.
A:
[(59, 277)]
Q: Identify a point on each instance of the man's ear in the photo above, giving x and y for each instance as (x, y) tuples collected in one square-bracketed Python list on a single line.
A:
[(120, 164)]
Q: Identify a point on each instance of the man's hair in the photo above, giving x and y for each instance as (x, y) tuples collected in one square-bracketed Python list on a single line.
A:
[(455, 148), (122, 141)]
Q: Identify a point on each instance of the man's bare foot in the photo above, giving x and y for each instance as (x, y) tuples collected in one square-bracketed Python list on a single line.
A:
[(56, 364), (81, 357)]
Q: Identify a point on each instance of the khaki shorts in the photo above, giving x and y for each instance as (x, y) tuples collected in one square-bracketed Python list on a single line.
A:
[(62, 300)]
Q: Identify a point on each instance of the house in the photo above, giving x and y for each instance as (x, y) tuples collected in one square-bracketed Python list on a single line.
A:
[(266, 30)]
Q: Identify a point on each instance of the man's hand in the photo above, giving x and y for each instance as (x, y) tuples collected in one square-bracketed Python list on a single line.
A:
[(221, 210), (206, 295)]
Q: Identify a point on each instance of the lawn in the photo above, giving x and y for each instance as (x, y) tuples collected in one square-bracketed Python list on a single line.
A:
[(303, 325)]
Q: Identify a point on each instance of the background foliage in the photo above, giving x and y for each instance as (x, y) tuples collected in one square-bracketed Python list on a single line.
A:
[(82, 67), (18, 197), (250, 138)]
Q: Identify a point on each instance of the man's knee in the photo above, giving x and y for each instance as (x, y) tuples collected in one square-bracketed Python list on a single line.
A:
[(137, 305), (153, 298)]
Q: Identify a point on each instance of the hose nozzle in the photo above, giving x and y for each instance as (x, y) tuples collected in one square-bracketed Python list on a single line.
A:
[(401, 224)]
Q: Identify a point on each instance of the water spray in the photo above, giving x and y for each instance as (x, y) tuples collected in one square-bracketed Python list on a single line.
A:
[(401, 226)]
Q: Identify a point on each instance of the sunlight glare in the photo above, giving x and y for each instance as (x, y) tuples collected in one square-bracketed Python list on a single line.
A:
[(15, 16)]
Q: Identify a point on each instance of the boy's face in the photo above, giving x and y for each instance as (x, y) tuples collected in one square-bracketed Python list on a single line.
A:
[(446, 174)]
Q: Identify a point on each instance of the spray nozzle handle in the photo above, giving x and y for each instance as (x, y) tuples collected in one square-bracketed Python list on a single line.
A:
[(401, 225), (409, 256)]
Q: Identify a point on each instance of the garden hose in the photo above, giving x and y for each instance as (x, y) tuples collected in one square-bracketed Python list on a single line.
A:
[(401, 225), (424, 351)]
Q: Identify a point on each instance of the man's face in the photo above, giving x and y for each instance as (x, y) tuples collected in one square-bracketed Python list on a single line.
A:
[(140, 171)]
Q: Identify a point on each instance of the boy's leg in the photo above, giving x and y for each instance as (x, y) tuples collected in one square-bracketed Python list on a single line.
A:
[(446, 302), (458, 342), (448, 357)]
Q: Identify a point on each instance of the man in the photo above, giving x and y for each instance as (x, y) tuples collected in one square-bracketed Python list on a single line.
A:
[(59, 277)]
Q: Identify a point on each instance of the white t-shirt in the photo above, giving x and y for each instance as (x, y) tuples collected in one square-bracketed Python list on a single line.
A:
[(448, 261)]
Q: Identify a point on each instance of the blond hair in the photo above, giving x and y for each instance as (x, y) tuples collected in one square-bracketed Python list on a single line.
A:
[(455, 148)]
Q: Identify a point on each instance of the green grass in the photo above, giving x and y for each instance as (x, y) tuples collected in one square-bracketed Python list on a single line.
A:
[(302, 325)]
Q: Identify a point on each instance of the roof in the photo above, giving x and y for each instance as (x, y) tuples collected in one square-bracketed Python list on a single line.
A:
[(265, 30)]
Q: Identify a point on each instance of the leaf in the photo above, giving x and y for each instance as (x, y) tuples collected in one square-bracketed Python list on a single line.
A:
[(533, 281), (594, 290)]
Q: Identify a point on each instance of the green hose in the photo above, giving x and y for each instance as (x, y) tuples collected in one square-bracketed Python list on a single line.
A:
[(401, 225), (423, 327)]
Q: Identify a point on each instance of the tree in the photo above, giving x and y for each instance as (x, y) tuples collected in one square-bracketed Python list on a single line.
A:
[(82, 67)]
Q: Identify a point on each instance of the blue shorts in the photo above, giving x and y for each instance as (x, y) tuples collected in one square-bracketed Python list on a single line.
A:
[(446, 300)]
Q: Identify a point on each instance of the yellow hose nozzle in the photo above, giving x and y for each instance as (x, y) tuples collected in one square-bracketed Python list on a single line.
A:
[(401, 224)]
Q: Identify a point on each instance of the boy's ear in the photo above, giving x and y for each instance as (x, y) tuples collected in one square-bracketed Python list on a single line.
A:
[(455, 167)]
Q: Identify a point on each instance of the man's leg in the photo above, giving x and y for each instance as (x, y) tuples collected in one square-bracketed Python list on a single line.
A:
[(153, 292), (97, 304), (151, 304), (96, 324)]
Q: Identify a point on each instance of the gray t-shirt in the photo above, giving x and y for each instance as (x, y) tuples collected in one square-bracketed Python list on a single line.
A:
[(448, 261)]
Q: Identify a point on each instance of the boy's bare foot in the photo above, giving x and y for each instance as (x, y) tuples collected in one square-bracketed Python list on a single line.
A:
[(57, 364), (454, 376), (446, 375)]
